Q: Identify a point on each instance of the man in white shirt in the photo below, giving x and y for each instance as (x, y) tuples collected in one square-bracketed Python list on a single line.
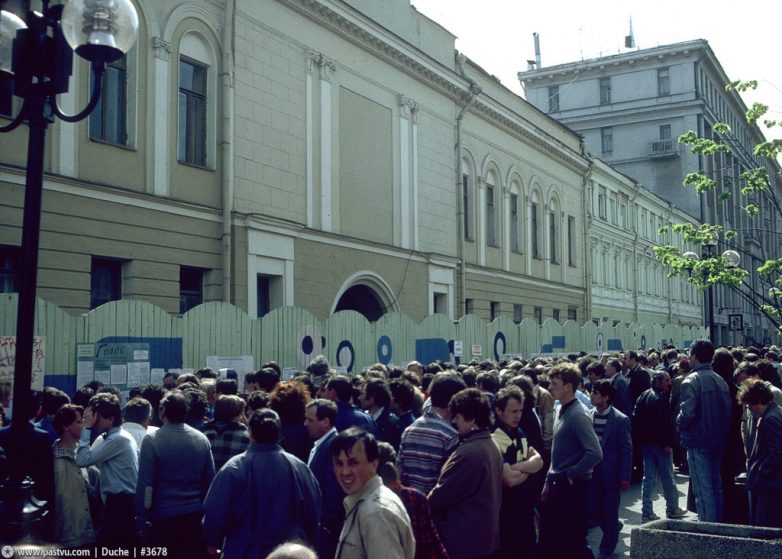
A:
[(137, 414)]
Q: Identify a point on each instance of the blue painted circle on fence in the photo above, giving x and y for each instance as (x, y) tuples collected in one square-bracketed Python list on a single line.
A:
[(385, 350), (345, 355), (307, 345), (599, 341), (499, 337), (643, 342)]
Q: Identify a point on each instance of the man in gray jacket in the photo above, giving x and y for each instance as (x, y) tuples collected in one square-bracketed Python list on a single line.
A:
[(703, 424)]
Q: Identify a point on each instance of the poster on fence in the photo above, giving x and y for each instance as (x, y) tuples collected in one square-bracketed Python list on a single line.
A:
[(8, 362), (124, 366)]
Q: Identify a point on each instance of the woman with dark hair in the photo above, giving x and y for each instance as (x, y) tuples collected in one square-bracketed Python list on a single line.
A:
[(289, 399), (468, 494), (734, 457)]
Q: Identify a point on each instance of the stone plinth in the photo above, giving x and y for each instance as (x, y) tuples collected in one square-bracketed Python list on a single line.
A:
[(676, 539)]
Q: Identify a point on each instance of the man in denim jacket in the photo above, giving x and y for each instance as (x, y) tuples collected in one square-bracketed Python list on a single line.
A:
[(703, 423)]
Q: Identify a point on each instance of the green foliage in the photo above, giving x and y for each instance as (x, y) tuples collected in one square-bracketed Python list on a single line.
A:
[(700, 181), (741, 86), (704, 146), (756, 111)]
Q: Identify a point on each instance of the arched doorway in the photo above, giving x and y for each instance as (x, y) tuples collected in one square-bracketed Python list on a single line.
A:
[(362, 299)]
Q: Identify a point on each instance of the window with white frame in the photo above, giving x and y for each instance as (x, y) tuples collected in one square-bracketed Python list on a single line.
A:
[(601, 204), (491, 216), (663, 81), (553, 99), (515, 229), (467, 206), (605, 90), (552, 237), (534, 230), (571, 240), (108, 122), (192, 112), (607, 139)]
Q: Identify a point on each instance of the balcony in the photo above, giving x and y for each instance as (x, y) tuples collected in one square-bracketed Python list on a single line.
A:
[(664, 149)]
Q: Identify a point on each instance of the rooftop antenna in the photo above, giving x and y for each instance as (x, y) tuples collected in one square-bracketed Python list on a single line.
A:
[(630, 39), (537, 49)]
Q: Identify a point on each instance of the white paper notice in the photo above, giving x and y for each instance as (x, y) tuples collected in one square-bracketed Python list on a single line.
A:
[(103, 377), (138, 374), (85, 350), (119, 374), (156, 376), (85, 372), (141, 355), (289, 372)]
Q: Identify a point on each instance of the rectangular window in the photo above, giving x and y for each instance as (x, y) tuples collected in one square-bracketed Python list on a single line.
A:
[(262, 288), (108, 122), (552, 237), (494, 309), (601, 204), (612, 210), (191, 288), (534, 230), (466, 206), (192, 113), (663, 81), (553, 99), (440, 303), (517, 313), (605, 90), (538, 313), (491, 217), (555, 314), (10, 264), (623, 216), (665, 133), (571, 240), (607, 139), (469, 306), (572, 314), (105, 281), (515, 242)]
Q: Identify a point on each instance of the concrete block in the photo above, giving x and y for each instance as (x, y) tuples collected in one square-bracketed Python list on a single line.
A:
[(674, 539)]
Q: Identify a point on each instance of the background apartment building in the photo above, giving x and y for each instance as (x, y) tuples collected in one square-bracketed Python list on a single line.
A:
[(328, 155), (632, 107)]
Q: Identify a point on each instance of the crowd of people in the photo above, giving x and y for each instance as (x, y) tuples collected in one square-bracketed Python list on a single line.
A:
[(495, 460)]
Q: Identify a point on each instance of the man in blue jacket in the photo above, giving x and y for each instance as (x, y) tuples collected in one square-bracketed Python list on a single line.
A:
[(340, 390), (612, 475), (703, 423)]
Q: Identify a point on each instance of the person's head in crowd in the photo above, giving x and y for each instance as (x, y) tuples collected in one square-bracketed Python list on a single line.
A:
[(339, 389), (756, 395), (386, 467), (186, 378), (661, 380), (396, 372), (411, 377), (289, 399), (509, 405), (355, 456), (265, 426), (267, 378), (318, 367), (434, 367), (524, 382), (197, 406), (274, 366), (169, 381), (106, 412), (109, 389), (320, 417), (250, 383), (209, 386), (402, 396), (701, 353), (426, 381), (565, 378), (738, 354), (470, 411), (724, 364), (595, 371), (602, 394), (375, 395), (82, 396), (653, 360), (442, 389), (469, 377), (306, 380), (671, 356), (745, 370), (257, 400), (134, 392), (613, 368), (68, 422), (174, 407), (51, 400), (292, 550), (138, 410), (768, 372), (487, 382), (631, 360), (205, 373), (226, 387), (230, 408), (153, 393), (583, 363), (415, 367)]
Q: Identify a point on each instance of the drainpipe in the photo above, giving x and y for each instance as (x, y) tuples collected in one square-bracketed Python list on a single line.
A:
[(227, 143), (636, 283), (475, 89), (587, 219)]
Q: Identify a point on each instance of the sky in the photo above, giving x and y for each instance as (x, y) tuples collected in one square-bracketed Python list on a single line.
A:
[(497, 34)]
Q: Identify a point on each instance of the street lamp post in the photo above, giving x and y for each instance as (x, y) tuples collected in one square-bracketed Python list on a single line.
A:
[(36, 55)]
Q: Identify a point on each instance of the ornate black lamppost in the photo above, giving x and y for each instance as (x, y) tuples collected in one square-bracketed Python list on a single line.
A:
[(36, 55)]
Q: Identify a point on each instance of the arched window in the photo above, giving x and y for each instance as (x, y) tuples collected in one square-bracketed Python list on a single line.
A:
[(467, 199), (492, 210), (197, 84), (514, 217)]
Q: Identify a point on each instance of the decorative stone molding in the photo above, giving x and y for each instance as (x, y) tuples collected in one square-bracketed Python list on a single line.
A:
[(327, 67), (408, 108), (313, 59), (162, 48)]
